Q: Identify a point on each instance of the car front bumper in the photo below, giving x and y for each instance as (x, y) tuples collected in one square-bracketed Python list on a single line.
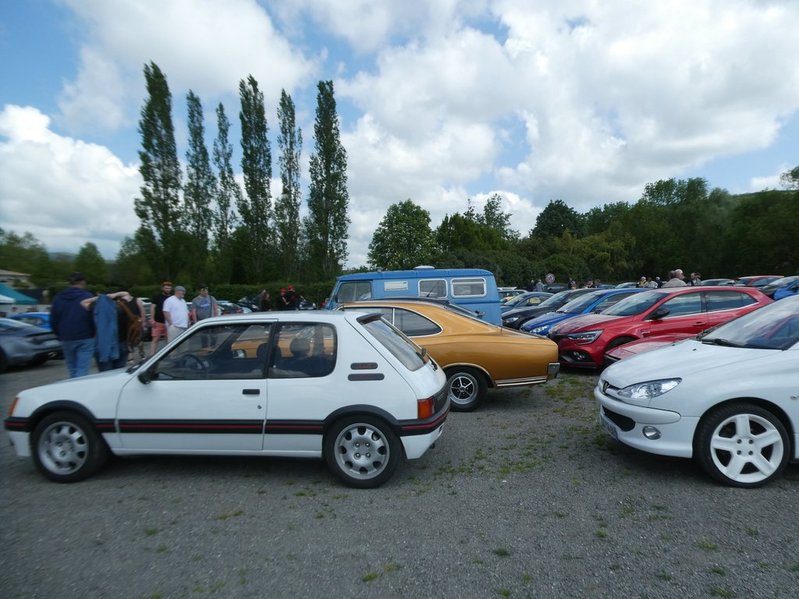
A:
[(662, 432)]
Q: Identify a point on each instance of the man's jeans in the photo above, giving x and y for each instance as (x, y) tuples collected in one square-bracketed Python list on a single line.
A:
[(78, 356)]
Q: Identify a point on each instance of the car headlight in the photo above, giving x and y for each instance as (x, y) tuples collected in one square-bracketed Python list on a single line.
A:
[(540, 330), (649, 389), (510, 319), (585, 337)]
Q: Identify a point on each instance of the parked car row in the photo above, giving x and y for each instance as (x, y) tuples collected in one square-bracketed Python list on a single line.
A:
[(705, 372)]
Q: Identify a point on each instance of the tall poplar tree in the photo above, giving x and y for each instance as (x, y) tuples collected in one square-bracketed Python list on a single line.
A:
[(158, 208), (256, 161), (228, 195), (198, 192), (328, 200), (287, 206)]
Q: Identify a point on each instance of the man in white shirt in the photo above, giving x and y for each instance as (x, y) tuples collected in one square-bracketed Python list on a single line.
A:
[(176, 313)]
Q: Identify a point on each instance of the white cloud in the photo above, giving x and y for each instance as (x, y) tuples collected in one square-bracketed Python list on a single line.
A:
[(64, 191), (203, 45)]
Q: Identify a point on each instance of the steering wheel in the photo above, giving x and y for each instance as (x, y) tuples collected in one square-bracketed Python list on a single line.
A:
[(192, 362)]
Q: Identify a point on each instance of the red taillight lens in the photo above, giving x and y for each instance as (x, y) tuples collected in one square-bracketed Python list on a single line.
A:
[(425, 408), (13, 405)]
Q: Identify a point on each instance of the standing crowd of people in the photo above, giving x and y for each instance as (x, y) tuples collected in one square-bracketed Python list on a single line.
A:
[(108, 327)]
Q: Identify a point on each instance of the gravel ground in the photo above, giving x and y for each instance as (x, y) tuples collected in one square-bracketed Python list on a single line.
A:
[(527, 497)]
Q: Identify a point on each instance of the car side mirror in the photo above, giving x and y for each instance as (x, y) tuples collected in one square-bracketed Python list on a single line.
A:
[(661, 312), (145, 376)]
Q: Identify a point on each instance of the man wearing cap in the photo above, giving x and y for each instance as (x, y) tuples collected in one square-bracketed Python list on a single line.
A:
[(73, 325), (176, 313), (157, 324)]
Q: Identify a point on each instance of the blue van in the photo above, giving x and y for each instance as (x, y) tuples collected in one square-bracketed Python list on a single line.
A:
[(472, 288)]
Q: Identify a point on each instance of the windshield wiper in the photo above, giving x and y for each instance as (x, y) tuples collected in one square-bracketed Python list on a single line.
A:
[(722, 342)]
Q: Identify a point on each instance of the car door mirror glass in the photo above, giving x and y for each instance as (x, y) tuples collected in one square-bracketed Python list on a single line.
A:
[(659, 313)]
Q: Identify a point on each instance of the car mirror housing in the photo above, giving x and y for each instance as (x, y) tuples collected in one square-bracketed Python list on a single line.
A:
[(661, 312), (145, 376)]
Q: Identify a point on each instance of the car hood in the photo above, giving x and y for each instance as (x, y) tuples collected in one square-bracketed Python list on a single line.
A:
[(586, 321), (682, 359), (549, 318), (527, 311)]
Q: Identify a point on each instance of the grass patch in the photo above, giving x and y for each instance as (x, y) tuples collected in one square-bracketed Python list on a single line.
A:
[(501, 552), (230, 515), (707, 545)]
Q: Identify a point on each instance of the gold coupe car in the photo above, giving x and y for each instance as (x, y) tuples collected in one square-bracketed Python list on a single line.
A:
[(475, 355)]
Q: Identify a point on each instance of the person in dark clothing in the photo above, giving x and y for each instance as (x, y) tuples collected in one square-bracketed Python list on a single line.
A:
[(73, 325), (264, 301), (292, 298)]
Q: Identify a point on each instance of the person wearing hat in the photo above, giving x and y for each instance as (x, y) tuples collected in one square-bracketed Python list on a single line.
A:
[(73, 325), (157, 324), (204, 305), (176, 313)]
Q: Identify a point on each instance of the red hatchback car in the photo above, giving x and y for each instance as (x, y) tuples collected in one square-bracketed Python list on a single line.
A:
[(583, 341)]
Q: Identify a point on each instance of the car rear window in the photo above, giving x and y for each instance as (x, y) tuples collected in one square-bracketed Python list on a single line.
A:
[(717, 300), (402, 348)]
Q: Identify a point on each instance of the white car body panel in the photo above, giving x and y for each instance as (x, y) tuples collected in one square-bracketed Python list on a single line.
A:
[(711, 375)]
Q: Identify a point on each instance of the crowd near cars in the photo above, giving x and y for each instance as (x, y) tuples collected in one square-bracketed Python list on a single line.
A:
[(709, 372)]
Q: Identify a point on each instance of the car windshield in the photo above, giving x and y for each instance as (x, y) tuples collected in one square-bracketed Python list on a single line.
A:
[(775, 326), (635, 304), (559, 299), (579, 305), (9, 324), (784, 281)]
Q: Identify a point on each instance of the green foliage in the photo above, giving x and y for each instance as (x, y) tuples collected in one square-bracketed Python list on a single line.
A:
[(91, 264), (255, 208), (556, 219), (158, 208), (287, 206), (790, 179), (328, 201), (198, 192), (228, 195), (26, 254), (403, 238)]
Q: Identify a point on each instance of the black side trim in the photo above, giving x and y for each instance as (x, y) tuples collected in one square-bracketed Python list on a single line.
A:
[(363, 366), (377, 376), (227, 427)]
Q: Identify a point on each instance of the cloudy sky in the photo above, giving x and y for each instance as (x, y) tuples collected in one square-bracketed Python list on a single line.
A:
[(579, 100)]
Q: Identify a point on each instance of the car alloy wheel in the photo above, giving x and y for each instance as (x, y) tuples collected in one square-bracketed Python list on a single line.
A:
[(362, 451), (466, 389), (743, 445), (66, 448)]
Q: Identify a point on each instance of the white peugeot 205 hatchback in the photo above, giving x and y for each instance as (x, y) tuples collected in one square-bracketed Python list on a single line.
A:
[(729, 398), (344, 386)]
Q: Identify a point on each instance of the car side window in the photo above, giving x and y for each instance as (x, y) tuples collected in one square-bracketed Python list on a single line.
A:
[(303, 350), (352, 292), (717, 300), (229, 351), (609, 301), (432, 288), (413, 324), (682, 305)]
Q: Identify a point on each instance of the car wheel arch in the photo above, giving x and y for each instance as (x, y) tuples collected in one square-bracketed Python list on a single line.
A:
[(62, 405), (620, 340), (361, 410), (463, 365)]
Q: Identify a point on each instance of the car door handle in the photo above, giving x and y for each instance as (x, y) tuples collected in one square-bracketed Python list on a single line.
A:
[(251, 392)]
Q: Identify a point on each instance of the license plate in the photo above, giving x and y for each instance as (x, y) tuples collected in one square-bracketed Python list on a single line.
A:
[(610, 427)]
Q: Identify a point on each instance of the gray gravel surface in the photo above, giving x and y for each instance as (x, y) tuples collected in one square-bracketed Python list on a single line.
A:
[(527, 497)]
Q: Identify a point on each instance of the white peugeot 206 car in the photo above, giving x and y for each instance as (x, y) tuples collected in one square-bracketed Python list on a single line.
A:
[(729, 399), (344, 386)]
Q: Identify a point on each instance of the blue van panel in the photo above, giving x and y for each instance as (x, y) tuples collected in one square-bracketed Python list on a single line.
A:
[(472, 288)]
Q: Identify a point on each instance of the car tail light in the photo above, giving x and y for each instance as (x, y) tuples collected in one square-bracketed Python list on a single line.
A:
[(425, 408), (11, 408)]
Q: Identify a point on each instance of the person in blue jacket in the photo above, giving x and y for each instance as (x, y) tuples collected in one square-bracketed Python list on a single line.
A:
[(73, 325)]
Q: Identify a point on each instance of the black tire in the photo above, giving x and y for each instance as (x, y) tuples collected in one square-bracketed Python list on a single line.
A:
[(466, 387), (3, 362), (742, 445), (362, 451), (66, 448)]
